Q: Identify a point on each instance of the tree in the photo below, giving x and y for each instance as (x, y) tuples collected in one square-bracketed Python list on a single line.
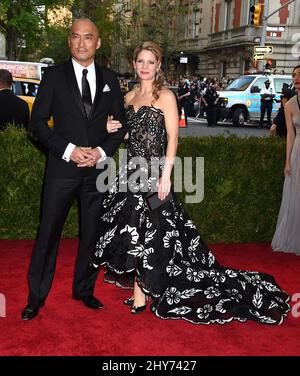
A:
[(100, 12), (151, 21), (56, 45), (23, 22), (160, 20), (129, 30)]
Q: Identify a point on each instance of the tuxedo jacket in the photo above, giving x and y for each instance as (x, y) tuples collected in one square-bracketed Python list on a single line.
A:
[(59, 96), (12, 109)]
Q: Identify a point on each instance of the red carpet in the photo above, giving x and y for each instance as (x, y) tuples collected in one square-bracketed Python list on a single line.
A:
[(67, 327)]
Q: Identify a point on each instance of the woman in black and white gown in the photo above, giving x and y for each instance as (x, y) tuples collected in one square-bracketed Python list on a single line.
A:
[(160, 253)]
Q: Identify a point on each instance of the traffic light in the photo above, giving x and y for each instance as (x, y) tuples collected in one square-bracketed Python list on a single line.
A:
[(255, 11)]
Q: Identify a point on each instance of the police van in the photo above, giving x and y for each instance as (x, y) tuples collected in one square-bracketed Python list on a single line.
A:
[(240, 100)]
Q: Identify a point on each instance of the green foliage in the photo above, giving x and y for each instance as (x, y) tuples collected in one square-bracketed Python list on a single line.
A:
[(99, 11), (243, 186), (25, 19), (21, 176), (55, 36), (155, 22), (56, 45)]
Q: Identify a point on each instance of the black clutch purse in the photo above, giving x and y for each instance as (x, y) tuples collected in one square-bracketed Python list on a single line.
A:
[(153, 202)]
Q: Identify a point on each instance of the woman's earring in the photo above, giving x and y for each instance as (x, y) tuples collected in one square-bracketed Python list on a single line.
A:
[(135, 75), (156, 76)]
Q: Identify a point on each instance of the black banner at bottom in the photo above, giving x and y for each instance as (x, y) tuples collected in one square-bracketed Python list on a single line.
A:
[(99, 365)]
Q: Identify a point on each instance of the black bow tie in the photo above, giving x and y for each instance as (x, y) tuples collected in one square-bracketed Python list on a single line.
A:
[(86, 93)]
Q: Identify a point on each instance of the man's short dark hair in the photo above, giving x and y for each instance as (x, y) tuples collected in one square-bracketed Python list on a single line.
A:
[(5, 78)]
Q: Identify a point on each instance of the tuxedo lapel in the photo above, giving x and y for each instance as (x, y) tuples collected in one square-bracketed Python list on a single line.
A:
[(71, 78), (99, 88)]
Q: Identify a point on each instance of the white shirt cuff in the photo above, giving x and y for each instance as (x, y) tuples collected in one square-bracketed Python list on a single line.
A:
[(67, 154), (103, 154)]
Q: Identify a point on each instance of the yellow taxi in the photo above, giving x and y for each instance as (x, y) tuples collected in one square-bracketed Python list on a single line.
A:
[(26, 88), (26, 79)]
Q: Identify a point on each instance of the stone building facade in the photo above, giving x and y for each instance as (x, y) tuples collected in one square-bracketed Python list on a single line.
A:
[(215, 36)]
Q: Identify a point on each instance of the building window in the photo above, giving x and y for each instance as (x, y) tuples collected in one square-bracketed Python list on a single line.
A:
[(186, 25), (224, 69), (227, 23), (116, 62), (127, 6), (195, 23)]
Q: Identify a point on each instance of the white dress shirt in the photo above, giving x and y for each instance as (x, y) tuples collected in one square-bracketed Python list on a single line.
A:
[(91, 77), (269, 91)]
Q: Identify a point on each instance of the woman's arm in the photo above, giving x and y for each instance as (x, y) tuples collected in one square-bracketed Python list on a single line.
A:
[(169, 108), (290, 137)]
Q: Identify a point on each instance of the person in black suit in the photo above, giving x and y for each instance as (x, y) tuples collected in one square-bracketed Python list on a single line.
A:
[(81, 96), (279, 124), (13, 109)]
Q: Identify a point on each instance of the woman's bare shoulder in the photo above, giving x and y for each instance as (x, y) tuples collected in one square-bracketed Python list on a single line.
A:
[(129, 96), (166, 95), (291, 104), (165, 92)]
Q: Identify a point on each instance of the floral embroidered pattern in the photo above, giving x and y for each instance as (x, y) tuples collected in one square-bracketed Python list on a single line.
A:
[(165, 253)]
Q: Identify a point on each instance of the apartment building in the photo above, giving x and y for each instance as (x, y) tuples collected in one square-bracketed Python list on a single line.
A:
[(214, 37), (225, 42)]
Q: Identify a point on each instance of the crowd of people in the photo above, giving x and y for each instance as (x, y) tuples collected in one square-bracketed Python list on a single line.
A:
[(199, 95), (196, 95), (190, 90)]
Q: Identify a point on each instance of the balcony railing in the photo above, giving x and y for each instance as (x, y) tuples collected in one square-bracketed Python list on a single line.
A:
[(234, 36), (243, 34)]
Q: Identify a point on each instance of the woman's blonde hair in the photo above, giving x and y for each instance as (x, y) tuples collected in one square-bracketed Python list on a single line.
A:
[(157, 52)]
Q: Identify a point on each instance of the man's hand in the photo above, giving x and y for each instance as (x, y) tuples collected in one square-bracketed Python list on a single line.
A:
[(79, 154), (92, 156), (85, 157)]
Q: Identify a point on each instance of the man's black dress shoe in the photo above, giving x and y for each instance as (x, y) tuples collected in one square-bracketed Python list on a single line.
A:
[(89, 301), (30, 311)]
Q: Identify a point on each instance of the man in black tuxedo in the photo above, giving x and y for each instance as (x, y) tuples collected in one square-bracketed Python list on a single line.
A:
[(80, 95), (13, 109)]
